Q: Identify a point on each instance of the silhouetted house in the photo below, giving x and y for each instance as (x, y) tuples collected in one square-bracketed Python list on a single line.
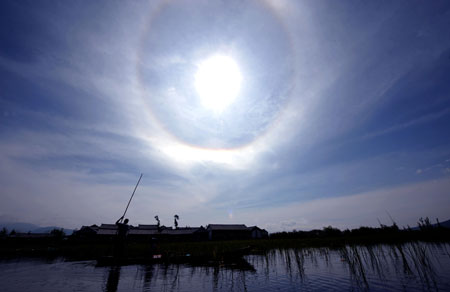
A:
[(149, 232), (228, 231), (148, 227), (256, 232), (107, 230), (86, 231), (144, 231), (185, 234)]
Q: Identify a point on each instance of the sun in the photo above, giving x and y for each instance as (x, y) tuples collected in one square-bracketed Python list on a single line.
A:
[(218, 81)]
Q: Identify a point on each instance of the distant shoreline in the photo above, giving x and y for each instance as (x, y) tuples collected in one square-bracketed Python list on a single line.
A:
[(75, 248)]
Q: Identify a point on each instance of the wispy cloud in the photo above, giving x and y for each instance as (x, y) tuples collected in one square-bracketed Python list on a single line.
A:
[(418, 121)]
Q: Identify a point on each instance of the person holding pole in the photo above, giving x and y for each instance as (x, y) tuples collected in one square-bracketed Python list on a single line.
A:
[(122, 232), (122, 229)]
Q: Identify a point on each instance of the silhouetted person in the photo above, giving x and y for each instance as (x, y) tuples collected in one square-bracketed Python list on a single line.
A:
[(122, 231)]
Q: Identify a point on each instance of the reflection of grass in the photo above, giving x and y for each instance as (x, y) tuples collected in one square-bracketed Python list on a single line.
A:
[(415, 259), (412, 261)]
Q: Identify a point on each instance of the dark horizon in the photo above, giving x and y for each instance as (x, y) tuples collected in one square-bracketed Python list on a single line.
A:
[(10, 226)]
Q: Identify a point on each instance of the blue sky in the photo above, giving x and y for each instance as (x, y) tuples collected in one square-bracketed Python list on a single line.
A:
[(342, 116)]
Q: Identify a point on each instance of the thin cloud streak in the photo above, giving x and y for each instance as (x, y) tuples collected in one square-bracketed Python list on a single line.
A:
[(415, 122)]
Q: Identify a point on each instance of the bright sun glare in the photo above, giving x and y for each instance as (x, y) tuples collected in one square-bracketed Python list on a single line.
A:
[(218, 81)]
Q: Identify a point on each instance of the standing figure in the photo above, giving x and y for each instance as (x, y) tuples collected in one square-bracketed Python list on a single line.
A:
[(122, 232)]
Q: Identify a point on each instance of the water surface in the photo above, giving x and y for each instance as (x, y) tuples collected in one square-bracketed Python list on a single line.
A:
[(406, 267)]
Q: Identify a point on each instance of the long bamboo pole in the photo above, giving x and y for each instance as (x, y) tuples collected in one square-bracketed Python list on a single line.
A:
[(132, 195)]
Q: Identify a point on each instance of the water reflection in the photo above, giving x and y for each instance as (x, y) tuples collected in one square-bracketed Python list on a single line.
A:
[(410, 266), (113, 279), (373, 265), (148, 275), (399, 267)]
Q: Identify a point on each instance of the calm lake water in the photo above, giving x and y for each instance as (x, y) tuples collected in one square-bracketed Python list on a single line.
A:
[(406, 267)]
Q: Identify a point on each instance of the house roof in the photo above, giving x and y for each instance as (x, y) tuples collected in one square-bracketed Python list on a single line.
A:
[(93, 227), (147, 226), (255, 227), (108, 226), (143, 231), (106, 231), (227, 227), (182, 231)]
